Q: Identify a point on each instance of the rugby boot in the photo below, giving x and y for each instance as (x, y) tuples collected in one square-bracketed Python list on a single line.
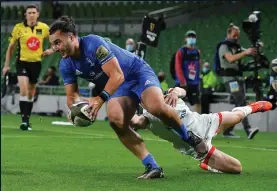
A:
[(152, 173), (260, 106)]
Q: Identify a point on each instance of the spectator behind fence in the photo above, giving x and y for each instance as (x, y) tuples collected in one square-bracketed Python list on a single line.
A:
[(229, 55), (187, 66), (208, 85), (50, 79), (131, 45), (162, 79)]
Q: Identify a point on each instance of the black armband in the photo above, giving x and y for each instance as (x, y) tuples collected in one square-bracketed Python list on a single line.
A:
[(104, 95)]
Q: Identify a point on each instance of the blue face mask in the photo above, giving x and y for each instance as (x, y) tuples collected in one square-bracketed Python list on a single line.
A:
[(129, 47), (191, 41), (205, 70)]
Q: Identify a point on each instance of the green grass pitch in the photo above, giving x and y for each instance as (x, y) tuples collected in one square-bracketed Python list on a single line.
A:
[(66, 158)]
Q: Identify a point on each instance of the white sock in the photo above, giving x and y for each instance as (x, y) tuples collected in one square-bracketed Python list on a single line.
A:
[(31, 100), (245, 109), (23, 98)]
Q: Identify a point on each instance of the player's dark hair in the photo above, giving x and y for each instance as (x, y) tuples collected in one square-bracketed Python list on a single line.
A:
[(32, 6), (232, 27), (65, 24)]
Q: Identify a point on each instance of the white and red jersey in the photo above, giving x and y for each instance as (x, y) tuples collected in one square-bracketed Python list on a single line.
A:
[(205, 126)]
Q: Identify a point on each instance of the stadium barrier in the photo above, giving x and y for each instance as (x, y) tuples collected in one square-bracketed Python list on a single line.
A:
[(52, 99)]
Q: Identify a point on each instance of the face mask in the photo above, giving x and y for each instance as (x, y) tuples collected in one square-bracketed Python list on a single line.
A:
[(205, 70), (191, 41), (130, 48)]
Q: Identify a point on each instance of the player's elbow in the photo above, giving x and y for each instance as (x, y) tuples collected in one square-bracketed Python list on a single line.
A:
[(120, 78), (237, 168)]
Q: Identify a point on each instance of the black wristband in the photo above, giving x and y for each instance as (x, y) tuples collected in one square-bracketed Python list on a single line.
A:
[(104, 95)]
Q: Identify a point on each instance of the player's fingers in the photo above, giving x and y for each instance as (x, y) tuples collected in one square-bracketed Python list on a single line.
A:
[(174, 103), (166, 99), (92, 108), (169, 102), (95, 111)]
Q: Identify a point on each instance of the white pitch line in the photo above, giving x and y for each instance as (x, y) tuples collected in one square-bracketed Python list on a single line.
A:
[(111, 137), (67, 132), (254, 148), (32, 136)]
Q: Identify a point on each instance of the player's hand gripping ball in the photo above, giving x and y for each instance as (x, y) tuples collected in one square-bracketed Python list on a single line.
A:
[(79, 114)]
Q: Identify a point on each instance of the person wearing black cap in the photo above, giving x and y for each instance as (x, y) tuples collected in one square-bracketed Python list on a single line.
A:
[(187, 66)]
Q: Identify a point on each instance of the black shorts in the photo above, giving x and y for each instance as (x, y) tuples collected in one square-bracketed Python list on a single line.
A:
[(193, 94), (29, 69)]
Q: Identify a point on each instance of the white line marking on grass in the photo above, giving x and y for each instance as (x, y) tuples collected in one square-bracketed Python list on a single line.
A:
[(66, 132), (254, 148), (33, 136), (90, 136), (103, 136)]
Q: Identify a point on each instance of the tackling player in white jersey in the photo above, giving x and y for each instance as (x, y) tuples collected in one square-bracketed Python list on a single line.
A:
[(206, 126)]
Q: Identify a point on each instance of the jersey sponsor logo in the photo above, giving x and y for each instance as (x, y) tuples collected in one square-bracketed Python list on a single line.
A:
[(101, 53), (33, 43), (95, 76), (90, 62), (147, 82), (92, 74), (152, 26), (183, 114), (78, 72), (151, 36)]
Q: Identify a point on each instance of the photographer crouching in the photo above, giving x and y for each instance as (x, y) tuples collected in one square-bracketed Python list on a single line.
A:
[(227, 64)]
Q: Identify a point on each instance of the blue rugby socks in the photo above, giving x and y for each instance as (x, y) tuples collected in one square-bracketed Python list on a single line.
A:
[(149, 160), (182, 132)]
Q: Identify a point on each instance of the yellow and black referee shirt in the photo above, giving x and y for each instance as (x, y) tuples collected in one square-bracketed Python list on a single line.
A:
[(30, 40)]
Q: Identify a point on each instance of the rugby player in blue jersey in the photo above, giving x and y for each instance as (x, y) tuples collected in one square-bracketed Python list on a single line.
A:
[(123, 80)]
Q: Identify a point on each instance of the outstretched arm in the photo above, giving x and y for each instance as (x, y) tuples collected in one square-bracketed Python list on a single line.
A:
[(116, 78)]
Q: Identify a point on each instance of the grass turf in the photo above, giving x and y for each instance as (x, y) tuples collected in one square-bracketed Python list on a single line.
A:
[(66, 158)]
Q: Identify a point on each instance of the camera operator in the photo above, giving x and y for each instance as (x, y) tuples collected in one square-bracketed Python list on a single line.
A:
[(229, 55)]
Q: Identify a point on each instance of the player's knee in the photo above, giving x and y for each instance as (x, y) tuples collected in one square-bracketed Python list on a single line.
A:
[(158, 109), (117, 123), (237, 168), (239, 116)]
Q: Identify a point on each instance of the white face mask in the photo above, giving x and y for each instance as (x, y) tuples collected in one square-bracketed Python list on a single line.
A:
[(191, 41), (129, 47)]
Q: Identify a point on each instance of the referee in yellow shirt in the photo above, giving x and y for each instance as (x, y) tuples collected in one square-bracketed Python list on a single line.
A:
[(28, 36)]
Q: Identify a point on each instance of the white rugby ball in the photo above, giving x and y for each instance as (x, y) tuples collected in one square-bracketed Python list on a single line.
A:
[(79, 114)]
